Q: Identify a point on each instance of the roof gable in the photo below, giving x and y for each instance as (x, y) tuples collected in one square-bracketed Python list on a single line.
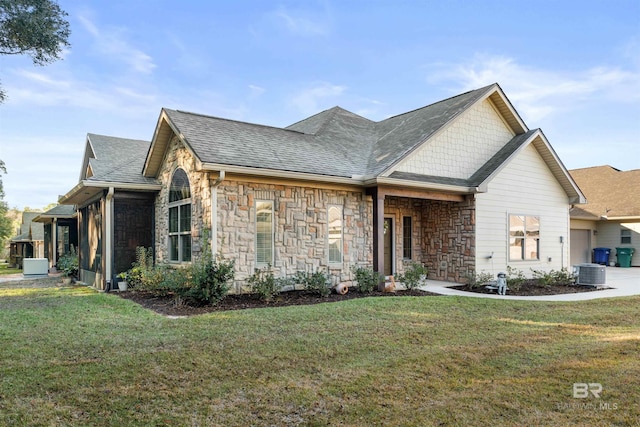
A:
[(112, 159), (463, 146)]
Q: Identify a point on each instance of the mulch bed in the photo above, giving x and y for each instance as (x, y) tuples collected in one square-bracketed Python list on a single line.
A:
[(531, 288), (167, 305)]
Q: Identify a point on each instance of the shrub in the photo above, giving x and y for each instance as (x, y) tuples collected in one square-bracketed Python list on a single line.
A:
[(141, 267), (264, 284), (553, 277), (515, 278), (209, 280), (477, 280), (318, 282), (68, 263), (366, 278), (414, 276)]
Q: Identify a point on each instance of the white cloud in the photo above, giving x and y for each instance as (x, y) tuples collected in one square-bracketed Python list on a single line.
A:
[(308, 100), (256, 90), (539, 92), (300, 25), (112, 43), (34, 88)]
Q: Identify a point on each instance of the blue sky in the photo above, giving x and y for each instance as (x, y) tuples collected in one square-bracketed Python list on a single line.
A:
[(571, 68)]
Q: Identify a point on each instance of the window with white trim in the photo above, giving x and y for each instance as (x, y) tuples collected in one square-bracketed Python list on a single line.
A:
[(264, 232), (180, 217), (524, 238), (334, 215), (625, 236)]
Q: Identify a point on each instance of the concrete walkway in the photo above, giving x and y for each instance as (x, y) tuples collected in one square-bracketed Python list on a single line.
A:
[(622, 281)]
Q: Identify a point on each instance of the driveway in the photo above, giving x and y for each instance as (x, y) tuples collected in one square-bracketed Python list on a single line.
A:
[(622, 281)]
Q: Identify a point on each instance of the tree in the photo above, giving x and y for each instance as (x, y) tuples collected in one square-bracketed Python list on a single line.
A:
[(37, 28), (5, 221)]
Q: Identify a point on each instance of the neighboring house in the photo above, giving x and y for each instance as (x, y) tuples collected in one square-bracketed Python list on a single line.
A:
[(461, 185), (611, 217), (60, 231), (29, 243)]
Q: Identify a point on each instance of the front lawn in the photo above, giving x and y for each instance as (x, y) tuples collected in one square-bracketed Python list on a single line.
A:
[(71, 356), (5, 269)]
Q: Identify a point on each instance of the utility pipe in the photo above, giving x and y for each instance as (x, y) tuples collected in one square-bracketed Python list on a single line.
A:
[(214, 212)]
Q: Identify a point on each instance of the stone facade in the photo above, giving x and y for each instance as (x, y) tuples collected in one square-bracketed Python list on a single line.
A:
[(449, 245), (300, 227), (178, 156), (442, 232)]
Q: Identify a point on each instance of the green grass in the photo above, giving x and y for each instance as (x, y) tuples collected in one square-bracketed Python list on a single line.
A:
[(71, 356), (5, 269)]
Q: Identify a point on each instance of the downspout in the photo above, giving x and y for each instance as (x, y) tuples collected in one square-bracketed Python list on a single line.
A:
[(54, 243), (214, 212), (109, 238)]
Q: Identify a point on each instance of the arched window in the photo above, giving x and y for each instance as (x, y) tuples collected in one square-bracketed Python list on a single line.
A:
[(179, 218)]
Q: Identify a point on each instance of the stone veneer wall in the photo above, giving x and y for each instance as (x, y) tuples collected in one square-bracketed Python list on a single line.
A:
[(300, 228), (178, 156), (443, 232), (300, 221), (449, 239)]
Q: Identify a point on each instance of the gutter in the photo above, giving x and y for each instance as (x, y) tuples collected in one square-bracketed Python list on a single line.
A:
[(105, 184), (274, 173), (214, 213), (416, 184)]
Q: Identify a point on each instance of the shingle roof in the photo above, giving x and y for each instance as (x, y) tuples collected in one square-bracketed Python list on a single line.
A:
[(334, 142), (61, 210), (610, 192), (118, 159)]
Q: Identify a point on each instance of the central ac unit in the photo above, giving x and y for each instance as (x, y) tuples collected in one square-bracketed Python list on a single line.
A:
[(591, 274)]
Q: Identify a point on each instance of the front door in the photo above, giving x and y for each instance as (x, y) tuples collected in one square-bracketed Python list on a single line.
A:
[(388, 246)]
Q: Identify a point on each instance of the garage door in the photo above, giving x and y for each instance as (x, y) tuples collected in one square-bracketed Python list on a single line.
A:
[(580, 248)]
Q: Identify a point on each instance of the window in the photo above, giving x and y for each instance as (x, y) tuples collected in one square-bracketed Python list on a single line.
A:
[(335, 234), (264, 232), (406, 237), (625, 236), (524, 237), (180, 218)]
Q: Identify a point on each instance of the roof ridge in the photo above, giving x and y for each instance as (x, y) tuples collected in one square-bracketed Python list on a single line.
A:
[(482, 89), (207, 116)]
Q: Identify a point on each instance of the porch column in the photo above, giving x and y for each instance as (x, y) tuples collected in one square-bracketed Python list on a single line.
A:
[(378, 232)]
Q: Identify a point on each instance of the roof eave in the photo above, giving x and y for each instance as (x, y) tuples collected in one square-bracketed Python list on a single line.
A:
[(621, 218), (456, 189), (277, 173), (85, 190)]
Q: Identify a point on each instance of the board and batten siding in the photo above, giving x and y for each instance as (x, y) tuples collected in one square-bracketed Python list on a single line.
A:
[(462, 147), (525, 186)]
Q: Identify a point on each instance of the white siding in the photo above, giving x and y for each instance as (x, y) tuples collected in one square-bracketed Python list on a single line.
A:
[(463, 147), (609, 237), (525, 186)]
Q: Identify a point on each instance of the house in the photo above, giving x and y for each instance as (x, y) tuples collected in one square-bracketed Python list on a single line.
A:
[(60, 231), (29, 243), (461, 185), (611, 218)]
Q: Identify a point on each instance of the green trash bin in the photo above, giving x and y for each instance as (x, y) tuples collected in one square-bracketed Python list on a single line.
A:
[(624, 256)]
